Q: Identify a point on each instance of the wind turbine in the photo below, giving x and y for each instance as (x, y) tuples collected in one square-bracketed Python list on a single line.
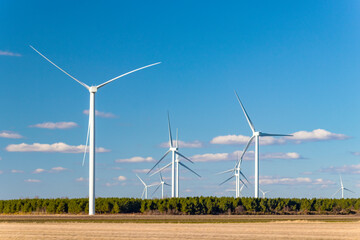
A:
[(256, 135), (263, 193), (145, 191), (237, 173), (162, 183), (342, 188), (91, 126), (175, 162)]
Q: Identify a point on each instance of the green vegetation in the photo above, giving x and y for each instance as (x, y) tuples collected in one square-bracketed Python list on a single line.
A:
[(184, 206)]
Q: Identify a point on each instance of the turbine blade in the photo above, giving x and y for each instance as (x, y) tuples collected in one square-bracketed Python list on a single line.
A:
[(341, 182), (245, 149), (159, 161), (189, 169), (336, 192), (227, 180), (170, 136), (230, 170), (246, 115), (87, 141), (242, 187), (242, 182), (156, 189), (161, 178), (141, 180), (177, 138), (167, 184), (159, 170), (348, 190), (142, 195), (86, 86), (113, 79), (183, 156), (273, 134), (244, 177)]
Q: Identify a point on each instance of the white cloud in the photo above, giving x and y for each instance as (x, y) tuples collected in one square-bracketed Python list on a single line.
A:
[(141, 170), (32, 180), (348, 169), (39, 170), (182, 144), (135, 160), (9, 134), (16, 171), (11, 54), (111, 184), (355, 153), (81, 179), (101, 114), (120, 178), (298, 137), (267, 180), (55, 147), (55, 125), (1, 172), (58, 169), (213, 157)]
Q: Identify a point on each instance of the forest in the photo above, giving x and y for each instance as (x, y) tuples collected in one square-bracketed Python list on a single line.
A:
[(185, 206)]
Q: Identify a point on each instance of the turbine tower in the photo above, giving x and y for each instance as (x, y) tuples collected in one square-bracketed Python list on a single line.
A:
[(256, 135), (91, 126), (342, 188), (162, 183), (145, 191), (237, 173), (175, 162)]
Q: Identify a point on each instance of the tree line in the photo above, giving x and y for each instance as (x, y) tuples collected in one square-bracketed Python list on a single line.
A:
[(188, 206)]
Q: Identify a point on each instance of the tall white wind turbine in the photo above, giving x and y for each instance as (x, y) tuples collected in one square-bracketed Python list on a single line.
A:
[(175, 162), (263, 193), (342, 188), (162, 183), (91, 127), (145, 191), (237, 173), (256, 135)]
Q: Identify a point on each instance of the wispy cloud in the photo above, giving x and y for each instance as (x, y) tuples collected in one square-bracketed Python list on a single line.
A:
[(267, 180), (101, 114), (9, 134), (120, 178), (213, 157), (55, 147), (39, 170), (10, 54), (141, 170), (58, 169), (1, 172), (55, 125), (17, 171), (81, 179), (355, 153), (348, 169), (135, 160), (182, 144), (298, 137), (32, 180)]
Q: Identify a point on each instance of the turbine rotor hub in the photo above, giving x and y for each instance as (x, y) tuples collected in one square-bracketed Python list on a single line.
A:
[(93, 89)]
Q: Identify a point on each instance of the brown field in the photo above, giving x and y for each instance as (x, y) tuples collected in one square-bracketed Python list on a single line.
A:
[(178, 227)]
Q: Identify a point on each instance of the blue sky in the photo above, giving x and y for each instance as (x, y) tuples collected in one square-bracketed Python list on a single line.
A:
[(295, 65)]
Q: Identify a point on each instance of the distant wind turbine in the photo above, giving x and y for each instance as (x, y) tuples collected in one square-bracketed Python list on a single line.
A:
[(162, 183), (237, 173), (256, 135), (145, 191), (263, 193), (342, 188), (174, 149), (91, 126)]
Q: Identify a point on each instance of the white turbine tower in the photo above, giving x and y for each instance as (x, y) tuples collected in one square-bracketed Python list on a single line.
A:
[(91, 127), (263, 193), (342, 188), (237, 173), (175, 162), (256, 135), (145, 191), (162, 183)]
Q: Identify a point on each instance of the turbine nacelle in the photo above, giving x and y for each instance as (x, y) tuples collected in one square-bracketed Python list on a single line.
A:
[(93, 89), (174, 149)]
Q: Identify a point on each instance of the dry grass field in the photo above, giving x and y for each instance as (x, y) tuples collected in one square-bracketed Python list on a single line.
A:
[(178, 227)]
